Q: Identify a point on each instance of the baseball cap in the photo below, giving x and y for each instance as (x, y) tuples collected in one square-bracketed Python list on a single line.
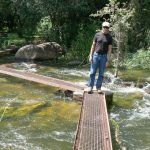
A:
[(106, 24)]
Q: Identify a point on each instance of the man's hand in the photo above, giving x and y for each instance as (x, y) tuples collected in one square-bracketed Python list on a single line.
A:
[(91, 59), (107, 64), (91, 52)]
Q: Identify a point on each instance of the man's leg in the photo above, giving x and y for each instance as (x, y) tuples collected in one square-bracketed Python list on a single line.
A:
[(101, 66), (93, 70)]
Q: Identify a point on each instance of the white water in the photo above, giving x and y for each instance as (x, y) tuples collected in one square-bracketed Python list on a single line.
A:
[(16, 140)]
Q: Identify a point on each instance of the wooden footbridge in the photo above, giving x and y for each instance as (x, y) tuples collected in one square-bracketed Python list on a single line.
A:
[(93, 131), (40, 79)]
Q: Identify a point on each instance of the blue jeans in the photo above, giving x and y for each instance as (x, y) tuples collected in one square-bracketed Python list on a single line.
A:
[(99, 62)]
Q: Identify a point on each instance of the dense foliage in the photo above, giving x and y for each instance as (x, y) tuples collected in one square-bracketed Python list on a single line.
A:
[(73, 23)]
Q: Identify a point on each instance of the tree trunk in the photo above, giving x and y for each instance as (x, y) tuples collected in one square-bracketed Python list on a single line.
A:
[(118, 53)]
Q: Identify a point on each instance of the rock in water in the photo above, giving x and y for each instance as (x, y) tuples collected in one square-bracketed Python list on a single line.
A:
[(45, 51), (147, 88)]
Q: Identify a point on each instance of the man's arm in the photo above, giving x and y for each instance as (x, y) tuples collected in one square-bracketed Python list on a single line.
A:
[(92, 51)]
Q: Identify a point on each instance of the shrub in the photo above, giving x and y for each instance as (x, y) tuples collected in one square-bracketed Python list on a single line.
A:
[(80, 47), (44, 27), (139, 60), (11, 38)]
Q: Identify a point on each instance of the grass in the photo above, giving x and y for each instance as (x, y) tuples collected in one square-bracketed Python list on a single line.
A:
[(11, 38)]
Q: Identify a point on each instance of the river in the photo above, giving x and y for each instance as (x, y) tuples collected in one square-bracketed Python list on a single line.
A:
[(34, 116)]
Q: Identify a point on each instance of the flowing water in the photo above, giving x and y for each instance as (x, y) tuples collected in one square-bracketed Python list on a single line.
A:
[(34, 118), (130, 114)]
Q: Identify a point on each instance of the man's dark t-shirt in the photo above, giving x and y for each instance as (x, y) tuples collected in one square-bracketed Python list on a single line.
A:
[(102, 41)]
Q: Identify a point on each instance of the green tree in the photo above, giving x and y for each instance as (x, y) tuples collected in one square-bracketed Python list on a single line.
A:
[(140, 24), (28, 13), (7, 20), (119, 15), (20, 15), (67, 16)]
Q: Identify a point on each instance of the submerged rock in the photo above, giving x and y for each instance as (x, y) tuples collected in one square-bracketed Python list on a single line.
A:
[(109, 98), (147, 89), (127, 100), (66, 93)]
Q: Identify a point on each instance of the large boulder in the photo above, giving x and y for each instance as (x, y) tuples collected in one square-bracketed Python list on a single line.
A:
[(49, 50)]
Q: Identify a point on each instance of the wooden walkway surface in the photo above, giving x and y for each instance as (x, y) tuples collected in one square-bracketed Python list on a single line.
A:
[(41, 79), (93, 132)]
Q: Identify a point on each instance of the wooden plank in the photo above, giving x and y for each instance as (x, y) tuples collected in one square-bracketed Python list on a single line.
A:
[(41, 79)]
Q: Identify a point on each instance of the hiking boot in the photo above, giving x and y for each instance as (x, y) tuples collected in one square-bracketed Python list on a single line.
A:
[(88, 89), (100, 91)]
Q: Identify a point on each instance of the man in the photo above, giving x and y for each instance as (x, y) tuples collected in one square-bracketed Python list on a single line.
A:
[(99, 56)]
